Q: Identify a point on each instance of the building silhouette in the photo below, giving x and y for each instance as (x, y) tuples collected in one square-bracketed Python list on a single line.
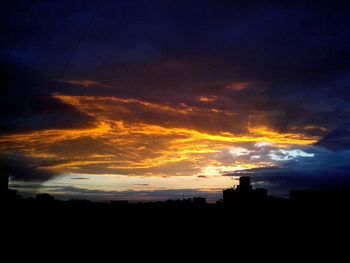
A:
[(321, 195), (44, 197), (199, 201), (244, 192), (5, 192)]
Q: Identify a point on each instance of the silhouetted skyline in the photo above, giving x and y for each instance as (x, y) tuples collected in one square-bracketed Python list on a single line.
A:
[(247, 225)]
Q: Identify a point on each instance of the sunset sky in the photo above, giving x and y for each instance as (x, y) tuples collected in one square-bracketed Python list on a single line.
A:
[(150, 100)]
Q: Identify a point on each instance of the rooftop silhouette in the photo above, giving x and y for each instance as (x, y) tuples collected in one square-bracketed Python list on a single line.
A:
[(181, 230), (243, 193), (5, 192)]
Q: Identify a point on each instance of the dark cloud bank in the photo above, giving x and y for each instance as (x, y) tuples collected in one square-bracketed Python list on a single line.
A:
[(294, 55), (19, 167), (26, 102)]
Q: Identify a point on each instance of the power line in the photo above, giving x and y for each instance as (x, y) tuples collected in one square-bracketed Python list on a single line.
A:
[(82, 36)]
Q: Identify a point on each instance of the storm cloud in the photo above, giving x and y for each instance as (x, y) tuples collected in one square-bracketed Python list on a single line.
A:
[(19, 167), (27, 104)]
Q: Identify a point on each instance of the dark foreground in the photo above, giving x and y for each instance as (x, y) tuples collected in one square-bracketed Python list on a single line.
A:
[(274, 231)]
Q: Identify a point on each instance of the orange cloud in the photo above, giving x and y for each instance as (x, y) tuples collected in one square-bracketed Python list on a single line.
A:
[(120, 143), (124, 151), (237, 85), (206, 99), (86, 83)]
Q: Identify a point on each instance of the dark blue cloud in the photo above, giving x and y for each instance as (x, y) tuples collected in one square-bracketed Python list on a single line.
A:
[(19, 167), (26, 102), (294, 54), (292, 41), (338, 139)]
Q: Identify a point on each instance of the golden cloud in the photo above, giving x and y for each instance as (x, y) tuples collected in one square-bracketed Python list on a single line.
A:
[(122, 142)]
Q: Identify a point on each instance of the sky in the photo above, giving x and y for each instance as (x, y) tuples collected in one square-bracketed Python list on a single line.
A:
[(151, 100)]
